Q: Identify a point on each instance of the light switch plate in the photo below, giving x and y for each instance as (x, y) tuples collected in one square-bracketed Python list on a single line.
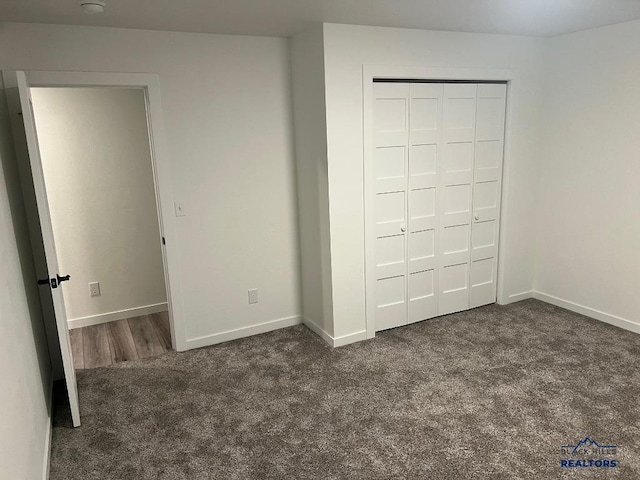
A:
[(179, 207)]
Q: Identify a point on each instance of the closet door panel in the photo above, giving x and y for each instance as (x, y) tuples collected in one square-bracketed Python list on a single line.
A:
[(456, 194), (390, 213), (425, 132), (391, 304), (489, 146), (484, 238), (422, 251), (422, 295), (490, 114), (486, 198), (422, 166), (390, 256), (390, 167), (422, 209), (454, 288)]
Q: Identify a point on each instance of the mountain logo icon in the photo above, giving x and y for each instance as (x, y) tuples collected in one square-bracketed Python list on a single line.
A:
[(586, 443)]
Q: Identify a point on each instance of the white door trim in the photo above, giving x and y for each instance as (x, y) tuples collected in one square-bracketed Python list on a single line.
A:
[(369, 72), (150, 83)]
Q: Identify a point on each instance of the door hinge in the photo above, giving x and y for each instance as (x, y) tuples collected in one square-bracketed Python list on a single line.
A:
[(163, 241)]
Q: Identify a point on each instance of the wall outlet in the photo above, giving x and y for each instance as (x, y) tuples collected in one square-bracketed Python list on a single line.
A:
[(94, 289), (253, 295), (179, 207)]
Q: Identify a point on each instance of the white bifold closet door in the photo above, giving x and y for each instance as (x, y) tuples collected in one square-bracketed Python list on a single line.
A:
[(437, 170)]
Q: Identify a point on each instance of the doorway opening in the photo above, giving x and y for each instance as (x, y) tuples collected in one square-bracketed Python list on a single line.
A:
[(20, 87), (98, 174)]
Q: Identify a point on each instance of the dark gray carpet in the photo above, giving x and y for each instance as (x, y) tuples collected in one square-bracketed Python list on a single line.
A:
[(490, 393)]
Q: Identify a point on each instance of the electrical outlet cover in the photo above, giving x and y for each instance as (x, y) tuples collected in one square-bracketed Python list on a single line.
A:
[(253, 295), (179, 207), (94, 289)]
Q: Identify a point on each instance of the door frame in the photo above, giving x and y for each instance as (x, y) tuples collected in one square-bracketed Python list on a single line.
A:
[(150, 84), (369, 72)]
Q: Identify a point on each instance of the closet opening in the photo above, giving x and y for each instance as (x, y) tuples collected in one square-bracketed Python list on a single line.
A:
[(433, 188)]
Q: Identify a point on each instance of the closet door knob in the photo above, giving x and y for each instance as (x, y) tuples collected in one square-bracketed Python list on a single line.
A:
[(403, 228), (476, 216)]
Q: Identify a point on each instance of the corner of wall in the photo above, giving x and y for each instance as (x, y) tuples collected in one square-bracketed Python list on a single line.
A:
[(588, 170), (309, 105), (545, 81)]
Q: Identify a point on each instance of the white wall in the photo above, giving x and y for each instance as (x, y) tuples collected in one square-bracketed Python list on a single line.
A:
[(589, 203), (307, 69), (25, 369), (94, 146), (228, 118), (228, 124), (347, 48)]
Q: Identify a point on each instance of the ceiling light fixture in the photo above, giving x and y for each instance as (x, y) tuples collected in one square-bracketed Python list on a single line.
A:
[(92, 7)]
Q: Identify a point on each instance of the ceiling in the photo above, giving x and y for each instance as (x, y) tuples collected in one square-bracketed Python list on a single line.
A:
[(285, 17)]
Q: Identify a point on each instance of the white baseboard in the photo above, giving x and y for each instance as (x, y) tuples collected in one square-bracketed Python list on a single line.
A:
[(334, 341), (242, 332), (315, 328), (589, 312), (517, 297), (118, 315), (350, 338), (46, 466)]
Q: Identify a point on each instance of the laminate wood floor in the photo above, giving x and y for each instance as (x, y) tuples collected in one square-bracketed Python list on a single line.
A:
[(131, 339)]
